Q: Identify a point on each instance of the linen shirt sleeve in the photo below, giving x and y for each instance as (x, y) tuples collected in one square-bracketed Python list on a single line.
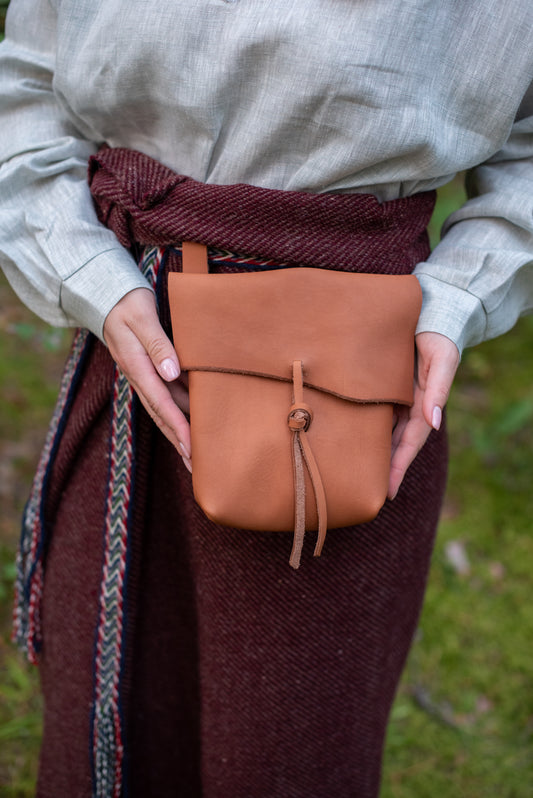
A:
[(65, 265), (479, 279)]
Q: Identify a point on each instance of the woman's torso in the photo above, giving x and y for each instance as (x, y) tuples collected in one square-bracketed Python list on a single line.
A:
[(391, 96)]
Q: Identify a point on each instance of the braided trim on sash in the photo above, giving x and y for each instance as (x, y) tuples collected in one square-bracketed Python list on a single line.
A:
[(107, 720), (30, 568)]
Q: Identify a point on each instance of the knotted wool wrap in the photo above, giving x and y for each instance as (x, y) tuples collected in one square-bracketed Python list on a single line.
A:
[(151, 209)]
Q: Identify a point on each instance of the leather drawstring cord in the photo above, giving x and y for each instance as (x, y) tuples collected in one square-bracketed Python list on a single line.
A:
[(299, 419)]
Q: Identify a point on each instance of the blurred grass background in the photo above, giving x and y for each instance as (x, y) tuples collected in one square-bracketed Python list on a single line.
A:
[(462, 724)]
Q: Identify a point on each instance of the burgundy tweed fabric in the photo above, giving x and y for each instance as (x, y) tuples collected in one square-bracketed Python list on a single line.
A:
[(145, 202), (244, 678)]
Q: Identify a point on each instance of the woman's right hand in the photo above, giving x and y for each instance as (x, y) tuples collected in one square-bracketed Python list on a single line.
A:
[(146, 356)]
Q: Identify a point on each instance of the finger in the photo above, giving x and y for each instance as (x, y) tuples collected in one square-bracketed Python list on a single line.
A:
[(425, 414), (165, 403), (180, 396), (152, 391), (139, 345), (401, 417), (157, 399), (148, 330), (438, 359), (413, 437), (437, 392)]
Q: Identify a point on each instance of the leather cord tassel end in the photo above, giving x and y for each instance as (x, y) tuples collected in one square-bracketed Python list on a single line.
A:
[(299, 420)]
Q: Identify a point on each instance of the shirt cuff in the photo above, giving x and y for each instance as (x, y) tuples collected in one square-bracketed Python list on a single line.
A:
[(451, 311), (91, 292)]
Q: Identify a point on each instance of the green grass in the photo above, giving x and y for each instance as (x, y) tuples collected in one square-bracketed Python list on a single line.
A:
[(31, 355), (463, 720), (462, 723), (20, 722), (3, 9)]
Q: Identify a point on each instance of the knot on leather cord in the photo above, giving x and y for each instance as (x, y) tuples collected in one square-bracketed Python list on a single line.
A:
[(299, 420)]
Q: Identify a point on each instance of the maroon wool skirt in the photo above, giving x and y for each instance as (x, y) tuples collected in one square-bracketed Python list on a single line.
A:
[(242, 678)]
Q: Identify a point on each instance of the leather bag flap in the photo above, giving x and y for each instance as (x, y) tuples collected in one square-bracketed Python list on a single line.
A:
[(354, 333)]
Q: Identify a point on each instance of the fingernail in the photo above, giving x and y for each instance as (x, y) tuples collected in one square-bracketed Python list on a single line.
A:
[(169, 370), (185, 452), (187, 464), (436, 418)]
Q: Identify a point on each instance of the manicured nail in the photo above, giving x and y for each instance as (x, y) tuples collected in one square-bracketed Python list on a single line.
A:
[(169, 370), (187, 464), (185, 452), (436, 418)]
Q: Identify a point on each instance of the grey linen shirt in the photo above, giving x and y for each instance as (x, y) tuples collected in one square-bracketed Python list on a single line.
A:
[(390, 97)]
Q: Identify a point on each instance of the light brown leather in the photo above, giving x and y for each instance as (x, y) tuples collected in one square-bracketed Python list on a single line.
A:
[(239, 336), (299, 420), (195, 256)]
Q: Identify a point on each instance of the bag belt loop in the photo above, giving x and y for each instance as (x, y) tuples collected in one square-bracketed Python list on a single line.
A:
[(194, 257)]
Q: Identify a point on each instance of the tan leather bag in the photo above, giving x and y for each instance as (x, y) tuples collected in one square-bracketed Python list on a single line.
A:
[(293, 374)]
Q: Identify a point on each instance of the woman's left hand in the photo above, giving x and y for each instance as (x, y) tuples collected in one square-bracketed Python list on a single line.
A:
[(437, 361)]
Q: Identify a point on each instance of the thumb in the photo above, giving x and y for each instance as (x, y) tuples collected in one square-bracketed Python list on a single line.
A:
[(167, 365), (143, 320), (438, 359)]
